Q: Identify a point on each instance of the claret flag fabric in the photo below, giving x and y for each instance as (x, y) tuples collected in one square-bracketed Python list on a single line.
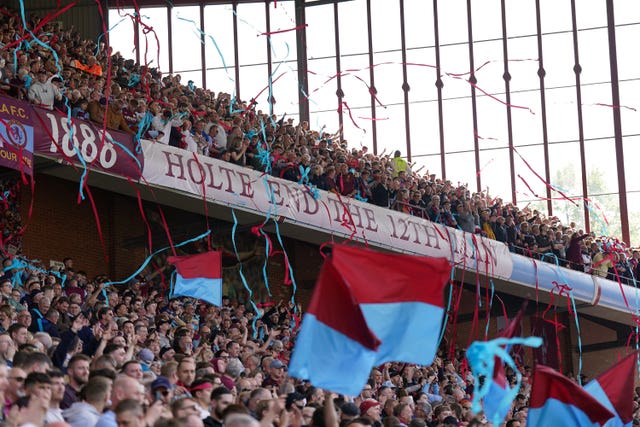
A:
[(335, 348), (559, 402), (199, 276), (615, 389), (368, 308)]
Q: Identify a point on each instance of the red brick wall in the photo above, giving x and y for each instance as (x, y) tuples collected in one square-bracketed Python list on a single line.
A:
[(60, 228)]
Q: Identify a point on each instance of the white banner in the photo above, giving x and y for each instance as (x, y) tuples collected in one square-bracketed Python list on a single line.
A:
[(245, 189)]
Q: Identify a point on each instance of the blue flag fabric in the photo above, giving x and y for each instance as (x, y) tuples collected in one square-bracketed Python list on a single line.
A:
[(557, 401), (615, 389), (364, 312), (199, 276)]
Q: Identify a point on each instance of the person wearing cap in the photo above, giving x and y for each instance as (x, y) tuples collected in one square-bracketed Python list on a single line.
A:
[(145, 356), (161, 389), (276, 374), (500, 229), (348, 412), (371, 410), (295, 399)]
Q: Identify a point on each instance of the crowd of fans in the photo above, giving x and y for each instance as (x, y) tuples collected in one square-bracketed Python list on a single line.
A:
[(106, 88), (86, 355)]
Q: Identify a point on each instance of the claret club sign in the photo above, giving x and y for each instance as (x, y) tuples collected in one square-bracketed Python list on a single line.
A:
[(16, 135)]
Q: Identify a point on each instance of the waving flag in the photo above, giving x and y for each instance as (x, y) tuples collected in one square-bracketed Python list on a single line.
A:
[(335, 348), (496, 402), (369, 307), (557, 401), (615, 389), (199, 276), (401, 297)]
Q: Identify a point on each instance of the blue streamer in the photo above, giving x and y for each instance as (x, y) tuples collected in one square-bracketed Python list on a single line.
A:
[(481, 357), (150, 257), (315, 193), (477, 268), (134, 80), (357, 196), (272, 203), (293, 279), (453, 271), (202, 33), (493, 290), (144, 124), (83, 177), (563, 279), (304, 174), (18, 264), (37, 40), (27, 81), (596, 216), (125, 149), (264, 266), (106, 298), (244, 280), (102, 34)]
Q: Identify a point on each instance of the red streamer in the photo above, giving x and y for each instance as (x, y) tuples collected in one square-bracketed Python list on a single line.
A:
[(269, 33)]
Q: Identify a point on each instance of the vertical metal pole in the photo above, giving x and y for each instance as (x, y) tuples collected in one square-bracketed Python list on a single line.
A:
[(170, 37), (405, 83), (507, 88), (439, 85), (236, 55), (339, 92), (543, 108), (577, 69), (474, 107), (617, 122), (372, 83), (203, 51), (267, 16), (301, 49)]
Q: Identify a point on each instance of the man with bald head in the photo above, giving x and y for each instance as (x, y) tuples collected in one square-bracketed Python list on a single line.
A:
[(124, 387)]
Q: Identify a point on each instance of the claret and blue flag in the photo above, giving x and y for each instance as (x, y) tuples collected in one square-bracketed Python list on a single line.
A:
[(199, 276), (369, 307), (614, 388), (496, 406), (557, 401)]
